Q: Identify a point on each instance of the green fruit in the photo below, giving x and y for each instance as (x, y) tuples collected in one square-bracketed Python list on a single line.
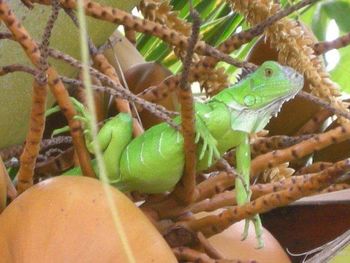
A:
[(15, 89)]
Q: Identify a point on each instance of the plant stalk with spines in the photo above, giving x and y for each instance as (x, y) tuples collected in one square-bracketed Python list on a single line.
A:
[(223, 122)]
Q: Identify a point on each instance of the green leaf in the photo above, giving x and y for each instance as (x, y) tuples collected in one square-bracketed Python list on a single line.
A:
[(339, 11), (320, 22), (341, 73)]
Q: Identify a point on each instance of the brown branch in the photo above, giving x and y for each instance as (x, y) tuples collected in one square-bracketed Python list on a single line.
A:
[(102, 64), (157, 110), (241, 38), (300, 150), (170, 208), (208, 248), (37, 120), (130, 35), (5, 35), (323, 47), (314, 168), (185, 189), (266, 144), (62, 97), (57, 88), (17, 67), (315, 123), (122, 105), (199, 72), (324, 104), (170, 36), (34, 136), (214, 224), (335, 188), (15, 151)]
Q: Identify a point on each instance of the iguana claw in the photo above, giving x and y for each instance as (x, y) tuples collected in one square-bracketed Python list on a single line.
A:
[(82, 115), (52, 111), (209, 142), (59, 131)]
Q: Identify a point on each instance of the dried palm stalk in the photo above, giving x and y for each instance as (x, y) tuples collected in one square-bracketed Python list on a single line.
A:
[(161, 11), (294, 45)]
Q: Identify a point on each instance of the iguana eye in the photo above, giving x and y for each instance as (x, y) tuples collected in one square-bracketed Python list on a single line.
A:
[(249, 100), (268, 72)]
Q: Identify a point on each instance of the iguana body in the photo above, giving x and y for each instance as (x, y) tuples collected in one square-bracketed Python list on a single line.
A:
[(154, 161)]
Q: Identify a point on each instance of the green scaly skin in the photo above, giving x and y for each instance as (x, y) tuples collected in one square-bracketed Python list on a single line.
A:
[(154, 161)]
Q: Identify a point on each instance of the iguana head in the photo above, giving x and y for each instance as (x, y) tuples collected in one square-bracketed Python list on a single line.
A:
[(260, 95), (270, 83)]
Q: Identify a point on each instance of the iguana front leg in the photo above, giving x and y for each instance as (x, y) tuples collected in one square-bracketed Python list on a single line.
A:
[(209, 144), (242, 189)]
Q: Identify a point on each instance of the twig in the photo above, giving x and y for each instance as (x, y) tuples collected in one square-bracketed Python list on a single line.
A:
[(5, 35), (158, 110), (18, 67), (315, 123), (324, 104), (208, 248), (237, 40), (185, 189), (130, 35), (37, 120), (170, 36), (300, 150), (102, 64), (214, 224), (323, 47), (57, 88)]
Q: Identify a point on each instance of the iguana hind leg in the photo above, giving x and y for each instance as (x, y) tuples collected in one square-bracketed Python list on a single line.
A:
[(242, 189), (113, 137)]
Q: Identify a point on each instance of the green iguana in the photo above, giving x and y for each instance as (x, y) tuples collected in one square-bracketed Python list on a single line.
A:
[(154, 161)]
